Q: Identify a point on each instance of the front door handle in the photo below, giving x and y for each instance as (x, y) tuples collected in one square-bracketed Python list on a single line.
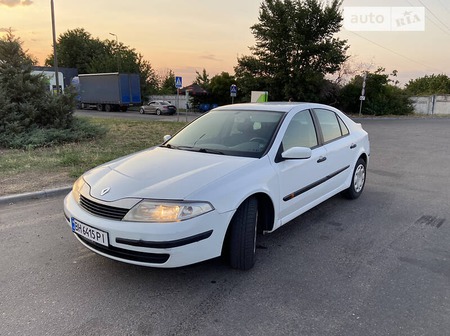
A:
[(321, 159)]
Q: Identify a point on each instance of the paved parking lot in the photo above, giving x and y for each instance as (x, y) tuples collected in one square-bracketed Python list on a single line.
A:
[(379, 265)]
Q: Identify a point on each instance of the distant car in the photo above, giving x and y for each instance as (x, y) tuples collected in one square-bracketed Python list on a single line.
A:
[(235, 171), (158, 107)]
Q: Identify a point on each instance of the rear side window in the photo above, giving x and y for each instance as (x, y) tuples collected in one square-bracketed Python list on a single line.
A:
[(332, 126)]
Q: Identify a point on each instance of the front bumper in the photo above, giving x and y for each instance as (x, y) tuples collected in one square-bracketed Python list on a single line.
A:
[(154, 244)]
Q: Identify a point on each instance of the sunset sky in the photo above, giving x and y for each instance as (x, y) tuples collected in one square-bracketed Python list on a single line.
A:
[(186, 36)]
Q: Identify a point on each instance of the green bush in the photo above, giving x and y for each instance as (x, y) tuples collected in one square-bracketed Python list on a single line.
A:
[(79, 130), (382, 98), (30, 115)]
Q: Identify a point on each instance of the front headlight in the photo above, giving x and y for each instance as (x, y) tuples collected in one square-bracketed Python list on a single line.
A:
[(153, 211), (76, 189)]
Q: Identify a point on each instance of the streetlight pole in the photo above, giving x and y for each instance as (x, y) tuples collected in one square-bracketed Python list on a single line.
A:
[(55, 57), (117, 51)]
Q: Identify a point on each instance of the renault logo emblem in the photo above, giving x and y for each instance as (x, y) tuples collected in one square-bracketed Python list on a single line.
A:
[(105, 191)]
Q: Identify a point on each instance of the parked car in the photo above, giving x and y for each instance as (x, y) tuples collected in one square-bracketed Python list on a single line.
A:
[(158, 107), (236, 171)]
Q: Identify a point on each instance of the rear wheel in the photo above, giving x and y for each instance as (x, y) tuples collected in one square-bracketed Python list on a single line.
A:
[(243, 235), (99, 107), (358, 180), (108, 108)]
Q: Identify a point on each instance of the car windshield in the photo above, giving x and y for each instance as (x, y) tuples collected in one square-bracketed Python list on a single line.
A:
[(238, 133)]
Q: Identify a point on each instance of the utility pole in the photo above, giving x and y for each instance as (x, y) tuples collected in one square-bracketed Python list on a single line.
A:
[(363, 93), (55, 57), (117, 51)]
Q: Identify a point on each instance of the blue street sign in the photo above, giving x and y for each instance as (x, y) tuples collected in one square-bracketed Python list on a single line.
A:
[(233, 90), (178, 82)]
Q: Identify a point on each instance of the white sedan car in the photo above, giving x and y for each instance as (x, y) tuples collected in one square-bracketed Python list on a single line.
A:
[(236, 171)]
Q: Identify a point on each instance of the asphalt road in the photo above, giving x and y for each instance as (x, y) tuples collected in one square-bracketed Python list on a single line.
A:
[(379, 265), (135, 115)]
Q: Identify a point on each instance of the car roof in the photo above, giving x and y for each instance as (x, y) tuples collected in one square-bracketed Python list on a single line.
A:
[(275, 106)]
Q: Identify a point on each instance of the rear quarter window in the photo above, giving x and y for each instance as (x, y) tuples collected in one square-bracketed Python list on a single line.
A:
[(332, 126)]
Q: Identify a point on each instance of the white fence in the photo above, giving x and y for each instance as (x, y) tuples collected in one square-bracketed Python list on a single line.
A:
[(180, 103), (436, 104)]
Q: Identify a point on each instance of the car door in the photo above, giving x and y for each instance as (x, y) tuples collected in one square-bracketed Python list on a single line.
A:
[(300, 180), (340, 150), (148, 107)]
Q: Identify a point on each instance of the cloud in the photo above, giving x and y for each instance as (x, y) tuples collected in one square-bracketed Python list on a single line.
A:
[(211, 57), (13, 3)]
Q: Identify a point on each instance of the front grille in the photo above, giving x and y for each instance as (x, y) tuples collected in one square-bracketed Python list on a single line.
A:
[(102, 210)]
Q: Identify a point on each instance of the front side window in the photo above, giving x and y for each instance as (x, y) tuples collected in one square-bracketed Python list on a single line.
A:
[(331, 125), (300, 132)]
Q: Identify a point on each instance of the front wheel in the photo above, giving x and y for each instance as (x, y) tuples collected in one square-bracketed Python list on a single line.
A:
[(141, 111), (158, 112), (358, 181), (243, 235)]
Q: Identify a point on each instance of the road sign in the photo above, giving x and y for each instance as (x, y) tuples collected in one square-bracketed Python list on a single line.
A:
[(178, 82), (362, 97), (233, 90)]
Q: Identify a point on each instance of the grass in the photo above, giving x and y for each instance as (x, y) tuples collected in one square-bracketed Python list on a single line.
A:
[(46, 168), (22, 170)]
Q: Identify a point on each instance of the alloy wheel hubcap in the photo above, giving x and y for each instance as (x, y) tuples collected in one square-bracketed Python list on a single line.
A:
[(359, 178)]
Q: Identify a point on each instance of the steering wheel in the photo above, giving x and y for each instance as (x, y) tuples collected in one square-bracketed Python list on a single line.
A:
[(258, 139)]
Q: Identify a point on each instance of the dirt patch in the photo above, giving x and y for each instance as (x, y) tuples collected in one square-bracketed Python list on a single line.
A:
[(33, 181)]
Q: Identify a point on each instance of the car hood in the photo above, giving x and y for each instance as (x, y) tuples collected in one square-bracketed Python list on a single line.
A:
[(160, 173)]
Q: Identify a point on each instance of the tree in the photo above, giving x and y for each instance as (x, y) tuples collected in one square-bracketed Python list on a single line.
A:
[(295, 48), (429, 85), (250, 76), (167, 83), (149, 79), (219, 88), (202, 79), (382, 98), (30, 115), (78, 49)]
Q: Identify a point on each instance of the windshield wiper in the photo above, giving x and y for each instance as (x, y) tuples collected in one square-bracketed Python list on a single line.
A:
[(194, 149), (210, 151)]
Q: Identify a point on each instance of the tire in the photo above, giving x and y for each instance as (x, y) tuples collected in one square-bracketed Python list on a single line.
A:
[(100, 107), (141, 110), (358, 181), (108, 108), (158, 112), (242, 253)]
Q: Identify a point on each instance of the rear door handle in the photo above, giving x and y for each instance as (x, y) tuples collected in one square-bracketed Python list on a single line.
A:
[(353, 146), (321, 159)]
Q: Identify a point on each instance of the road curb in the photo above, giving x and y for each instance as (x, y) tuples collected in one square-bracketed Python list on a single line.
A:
[(11, 199)]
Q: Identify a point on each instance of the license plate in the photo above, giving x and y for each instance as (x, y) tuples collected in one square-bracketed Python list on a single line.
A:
[(89, 232)]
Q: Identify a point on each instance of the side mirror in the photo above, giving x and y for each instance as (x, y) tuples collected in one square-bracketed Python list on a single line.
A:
[(297, 153), (167, 137)]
